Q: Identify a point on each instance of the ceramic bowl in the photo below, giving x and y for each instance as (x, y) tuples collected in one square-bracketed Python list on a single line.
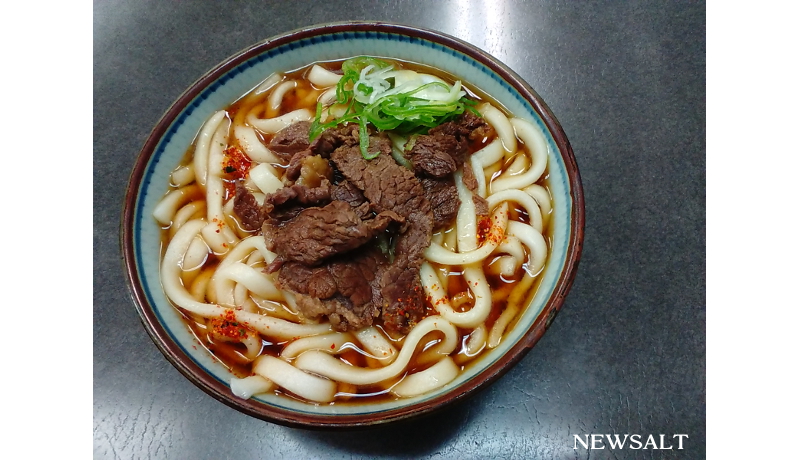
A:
[(234, 77)]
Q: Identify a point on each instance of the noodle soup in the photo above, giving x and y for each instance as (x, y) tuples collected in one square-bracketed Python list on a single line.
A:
[(466, 257)]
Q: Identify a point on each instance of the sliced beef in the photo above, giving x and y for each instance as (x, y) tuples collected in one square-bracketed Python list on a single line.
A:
[(468, 177), (292, 145), (349, 193), (435, 155), (340, 311), (386, 184), (481, 205), (325, 235), (466, 126), (443, 196), (344, 289), (251, 214), (299, 195), (318, 233), (290, 140), (296, 164), (404, 303), (391, 187), (314, 281), (333, 138)]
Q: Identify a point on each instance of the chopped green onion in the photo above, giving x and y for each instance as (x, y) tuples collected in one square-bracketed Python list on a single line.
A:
[(370, 88)]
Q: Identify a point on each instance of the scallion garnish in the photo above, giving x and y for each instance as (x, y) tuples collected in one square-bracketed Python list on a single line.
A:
[(403, 101)]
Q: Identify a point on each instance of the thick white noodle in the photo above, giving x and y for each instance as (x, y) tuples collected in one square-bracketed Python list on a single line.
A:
[(327, 98), (290, 378), (215, 190), (278, 311), (252, 146), (542, 197), (231, 270), (198, 287), (439, 254), (219, 237), (322, 78), (473, 274), (329, 343), (450, 241), (501, 323), (328, 366), (201, 150), (196, 255), (273, 125), (476, 341), (256, 282), (519, 164), (466, 220), (374, 343), (486, 156), (252, 342), (168, 206), (513, 246), (504, 266), (183, 176), (527, 202), (537, 246), (501, 126), (490, 154), (192, 210), (436, 376), (513, 305), (267, 84), (232, 223), (251, 385), (266, 179), (276, 96), (177, 293), (242, 299), (536, 147), (247, 246)]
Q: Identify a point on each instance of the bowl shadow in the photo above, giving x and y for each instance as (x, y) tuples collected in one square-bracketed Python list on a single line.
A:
[(414, 438)]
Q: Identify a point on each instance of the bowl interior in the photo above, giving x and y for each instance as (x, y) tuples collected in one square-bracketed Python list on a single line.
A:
[(226, 83)]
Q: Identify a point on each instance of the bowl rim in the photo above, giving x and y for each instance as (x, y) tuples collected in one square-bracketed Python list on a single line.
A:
[(210, 385)]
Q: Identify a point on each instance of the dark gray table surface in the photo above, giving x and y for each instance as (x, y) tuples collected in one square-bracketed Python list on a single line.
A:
[(627, 352)]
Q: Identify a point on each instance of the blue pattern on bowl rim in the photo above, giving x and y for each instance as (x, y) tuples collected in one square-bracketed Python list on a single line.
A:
[(245, 71)]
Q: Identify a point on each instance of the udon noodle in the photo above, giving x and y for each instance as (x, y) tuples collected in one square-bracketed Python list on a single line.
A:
[(477, 275)]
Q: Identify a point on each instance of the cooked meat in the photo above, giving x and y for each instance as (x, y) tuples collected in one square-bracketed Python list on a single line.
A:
[(443, 196), (342, 314), (481, 206), (299, 194), (349, 193), (325, 236), (290, 140), (314, 281), (435, 155), (468, 177), (387, 185), (404, 298), (391, 187), (333, 138), (318, 233), (251, 214), (296, 163), (467, 125), (345, 289)]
